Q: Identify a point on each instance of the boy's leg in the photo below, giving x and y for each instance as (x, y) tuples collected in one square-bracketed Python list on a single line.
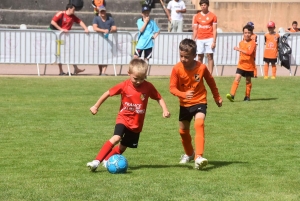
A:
[(234, 87), (210, 58), (266, 70), (116, 150), (200, 162), (273, 71), (248, 89), (186, 140), (255, 72)]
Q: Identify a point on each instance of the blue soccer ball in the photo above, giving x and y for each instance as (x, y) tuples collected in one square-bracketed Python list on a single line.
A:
[(117, 164)]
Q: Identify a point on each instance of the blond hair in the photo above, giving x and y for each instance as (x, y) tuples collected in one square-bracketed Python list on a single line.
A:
[(138, 66)]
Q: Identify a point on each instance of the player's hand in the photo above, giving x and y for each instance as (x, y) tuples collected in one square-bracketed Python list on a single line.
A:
[(213, 45), (189, 94), (219, 103), (86, 31), (94, 110), (166, 114)]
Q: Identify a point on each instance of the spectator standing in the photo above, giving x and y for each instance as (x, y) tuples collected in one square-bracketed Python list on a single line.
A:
[(103, 24), (205, 33), (271, 50), (176, 7), (294, 27), (148, 31), (63, 21)]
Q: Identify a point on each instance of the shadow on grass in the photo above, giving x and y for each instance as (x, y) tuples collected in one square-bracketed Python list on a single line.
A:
[(159, 166), (263, 99), (218, 164)]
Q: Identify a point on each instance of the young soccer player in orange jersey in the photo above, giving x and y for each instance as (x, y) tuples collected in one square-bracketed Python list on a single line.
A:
[(205, 33), (135, 93), (271, 50), (294, 27), (186, 83), (246, 64), (254, 38)]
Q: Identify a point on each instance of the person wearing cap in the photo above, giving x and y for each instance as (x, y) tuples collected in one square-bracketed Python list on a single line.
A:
[(294, 28), (254, 38), (271, 50), (63, 21), (148, 31), (103, 24), (205, 33)]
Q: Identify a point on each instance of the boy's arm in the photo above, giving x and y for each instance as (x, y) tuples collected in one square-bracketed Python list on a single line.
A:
[(155, 35), (248, 51), (94, 108), (213, 87), (84, 26), (195, 28), (173, 86), (166, 113)]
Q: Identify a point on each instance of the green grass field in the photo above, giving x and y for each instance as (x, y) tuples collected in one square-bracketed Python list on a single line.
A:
[(48, 135)]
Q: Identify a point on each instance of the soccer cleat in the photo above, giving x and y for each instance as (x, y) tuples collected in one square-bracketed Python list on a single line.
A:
[(230, 97), (93, 165), (200, 163), (185, 158), (104, 163), (247, 98), (273, 77), (266, 77)]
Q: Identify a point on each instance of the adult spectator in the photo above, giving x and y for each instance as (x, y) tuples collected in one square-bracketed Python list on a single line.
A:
[(294, 27), (205, 33), (63, 21), (176, 7), (103, 24)]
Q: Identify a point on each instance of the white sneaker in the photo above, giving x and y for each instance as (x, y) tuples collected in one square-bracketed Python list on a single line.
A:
[(185, 158), (93, 165), (104, 163), (200, 162)]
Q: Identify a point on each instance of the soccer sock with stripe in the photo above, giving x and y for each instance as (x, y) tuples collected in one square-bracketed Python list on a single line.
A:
[(186, 141), (274, 70), (234, 87), (115, 150), (106, 149), (199, 137)]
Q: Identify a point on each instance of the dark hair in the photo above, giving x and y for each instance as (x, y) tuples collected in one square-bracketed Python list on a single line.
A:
[(69, 6), (188, 45), (204, 1), (294, 22), (249, 27)]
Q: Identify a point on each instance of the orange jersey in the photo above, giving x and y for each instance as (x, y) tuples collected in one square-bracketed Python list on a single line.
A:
[(183, 80), (271, 45), (99, 3), (204, 25), (292, 30), (246, 61)]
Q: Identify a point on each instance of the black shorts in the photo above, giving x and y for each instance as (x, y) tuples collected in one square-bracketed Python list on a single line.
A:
[(272, 61), (187, 113), (244, 73), (128, 138), (147, 53)]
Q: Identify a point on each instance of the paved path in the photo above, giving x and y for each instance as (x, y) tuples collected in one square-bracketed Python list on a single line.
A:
[(92, 70)]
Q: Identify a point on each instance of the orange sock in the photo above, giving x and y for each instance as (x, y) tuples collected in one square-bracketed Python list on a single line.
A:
[(234, 87), (255, 72), (274, 70), (186, 141), (199, 137), (266, 69), (248, 89)]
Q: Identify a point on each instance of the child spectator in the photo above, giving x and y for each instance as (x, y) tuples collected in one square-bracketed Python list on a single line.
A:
[(135, 93), (148, 31), (96, 4), (294, 27), (271, 50), (246, 63), (187, 84)]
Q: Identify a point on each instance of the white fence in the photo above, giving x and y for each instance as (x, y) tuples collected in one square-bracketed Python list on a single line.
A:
[(77, 47)]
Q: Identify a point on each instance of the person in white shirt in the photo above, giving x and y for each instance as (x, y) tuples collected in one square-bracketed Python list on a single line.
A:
[(176, 7)]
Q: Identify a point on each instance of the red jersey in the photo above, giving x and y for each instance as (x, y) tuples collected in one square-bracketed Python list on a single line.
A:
[(183, 80), (246, 61), (271, 47), (134, 102), (204, 23), (66, 20)]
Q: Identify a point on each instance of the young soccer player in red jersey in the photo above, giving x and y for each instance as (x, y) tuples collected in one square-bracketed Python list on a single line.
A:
[(187, 84), (254, 38), (135, 93), (246, 64), (271, 50)]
